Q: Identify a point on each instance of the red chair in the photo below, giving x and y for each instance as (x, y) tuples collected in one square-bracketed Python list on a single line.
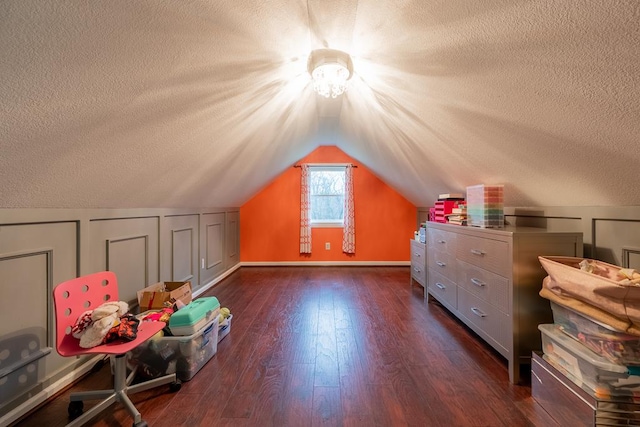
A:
[(71, 299)]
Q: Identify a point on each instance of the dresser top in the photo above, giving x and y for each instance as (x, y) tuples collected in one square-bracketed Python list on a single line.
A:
[(507, 230)]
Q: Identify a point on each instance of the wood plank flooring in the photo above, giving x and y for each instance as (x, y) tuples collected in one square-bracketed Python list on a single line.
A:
[(330, 346)]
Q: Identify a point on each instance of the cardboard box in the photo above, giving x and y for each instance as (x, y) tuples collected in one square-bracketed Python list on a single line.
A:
[(155, 296)]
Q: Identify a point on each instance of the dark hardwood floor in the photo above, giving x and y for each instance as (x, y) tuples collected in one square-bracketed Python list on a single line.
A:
[(330, 346)]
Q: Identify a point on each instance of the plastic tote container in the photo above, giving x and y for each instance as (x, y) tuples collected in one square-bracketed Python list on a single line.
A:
[(193, 316), (586, 367), (485, 206), (618, 347), (182, 355), (224, 328)]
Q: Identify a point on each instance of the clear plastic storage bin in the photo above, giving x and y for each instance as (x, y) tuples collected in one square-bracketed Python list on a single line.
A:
[(182, 355), (586, 367), (616, 346), (224, 328), (485, 206)]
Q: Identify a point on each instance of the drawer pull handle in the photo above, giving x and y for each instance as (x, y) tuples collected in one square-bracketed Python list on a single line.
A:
[(416, 269), (441, 264), (442, 241), (478, 312), (417, 254), (477, 252), (441, 286), (478, 282)]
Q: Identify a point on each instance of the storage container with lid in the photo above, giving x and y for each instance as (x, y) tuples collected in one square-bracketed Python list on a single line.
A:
[(182, 355), (618, 347), (586, 367), (194, 316)]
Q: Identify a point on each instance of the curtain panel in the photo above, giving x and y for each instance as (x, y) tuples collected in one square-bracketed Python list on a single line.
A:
[(349, 230), (305, 208)]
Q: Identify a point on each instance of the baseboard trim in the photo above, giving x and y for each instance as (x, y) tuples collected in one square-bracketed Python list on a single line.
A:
[(324, 263), (219, 278)]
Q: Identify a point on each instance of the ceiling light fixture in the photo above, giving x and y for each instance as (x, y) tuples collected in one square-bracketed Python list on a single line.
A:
[(330, 70)]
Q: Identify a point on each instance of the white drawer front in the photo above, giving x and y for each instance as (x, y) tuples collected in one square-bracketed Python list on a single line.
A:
[(418, 253), (492, 255), (484, 316), (443, 289), (419, 273), (440, 240), (486, 285), (443, 263)]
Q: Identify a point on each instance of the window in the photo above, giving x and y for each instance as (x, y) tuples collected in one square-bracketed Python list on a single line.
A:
[(326, 196)]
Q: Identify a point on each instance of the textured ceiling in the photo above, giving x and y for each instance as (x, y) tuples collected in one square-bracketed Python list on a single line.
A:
[(202, 103)]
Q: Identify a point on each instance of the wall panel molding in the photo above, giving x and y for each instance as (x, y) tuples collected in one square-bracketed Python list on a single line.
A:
[(40, 248), (129, 257), (183, 257)]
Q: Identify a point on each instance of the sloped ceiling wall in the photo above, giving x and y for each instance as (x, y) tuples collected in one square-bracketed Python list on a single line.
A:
[(202, 103)]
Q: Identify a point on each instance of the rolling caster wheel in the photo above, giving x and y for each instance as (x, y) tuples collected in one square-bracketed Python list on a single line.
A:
[(75, 409), (142, 423), (175, 386)]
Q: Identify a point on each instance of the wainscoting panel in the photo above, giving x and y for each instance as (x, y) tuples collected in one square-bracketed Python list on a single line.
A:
[(128, 257), (614, 241), (233, 239), (40, 248), (33, 259), (130, 248), (182, 256), (213, 225), (631, 257)]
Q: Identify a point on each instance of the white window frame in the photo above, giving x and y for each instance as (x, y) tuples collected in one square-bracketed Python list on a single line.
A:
[(340, 167)]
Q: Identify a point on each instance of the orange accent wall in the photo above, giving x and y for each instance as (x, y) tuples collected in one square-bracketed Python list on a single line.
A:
[(270, 221)]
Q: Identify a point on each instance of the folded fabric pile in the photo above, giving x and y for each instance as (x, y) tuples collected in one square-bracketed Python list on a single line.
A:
[(601, 291), (106, 323)]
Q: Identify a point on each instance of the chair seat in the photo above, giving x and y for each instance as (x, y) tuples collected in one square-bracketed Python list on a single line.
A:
[(70, 346)]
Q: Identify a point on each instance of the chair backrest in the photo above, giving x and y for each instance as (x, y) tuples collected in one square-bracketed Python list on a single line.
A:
[(74, 297)]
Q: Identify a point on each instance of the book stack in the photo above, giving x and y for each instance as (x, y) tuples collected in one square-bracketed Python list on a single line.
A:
[(445, 204), (451, 196), (432, 214), (458, 216)]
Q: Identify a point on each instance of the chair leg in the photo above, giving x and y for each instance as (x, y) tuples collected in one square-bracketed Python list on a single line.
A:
[(93, 411), (91, 395), (136, 388), (128, 404), (119, 393)]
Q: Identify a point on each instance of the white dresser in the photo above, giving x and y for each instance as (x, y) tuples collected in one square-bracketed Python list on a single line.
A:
[(490, 279), (419, 264)]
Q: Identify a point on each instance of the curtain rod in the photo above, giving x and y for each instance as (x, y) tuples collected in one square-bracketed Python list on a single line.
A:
[(327, 164)]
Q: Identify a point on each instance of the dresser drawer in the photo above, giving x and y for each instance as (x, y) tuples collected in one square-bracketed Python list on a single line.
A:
[(419, 274), (489, 254), (486, 317), (418, 253), (443, 289), (443, 263), (440, 240), (484, 284)]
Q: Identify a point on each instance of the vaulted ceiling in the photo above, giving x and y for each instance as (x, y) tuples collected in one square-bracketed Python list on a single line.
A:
[(175, 103)]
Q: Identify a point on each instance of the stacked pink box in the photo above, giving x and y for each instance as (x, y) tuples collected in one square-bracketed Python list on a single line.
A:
[(485, 206)]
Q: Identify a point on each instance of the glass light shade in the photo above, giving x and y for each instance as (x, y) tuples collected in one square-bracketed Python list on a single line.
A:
[(330, 70)]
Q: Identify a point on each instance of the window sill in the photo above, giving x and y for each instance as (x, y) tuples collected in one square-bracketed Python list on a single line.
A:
[(327, 225)]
